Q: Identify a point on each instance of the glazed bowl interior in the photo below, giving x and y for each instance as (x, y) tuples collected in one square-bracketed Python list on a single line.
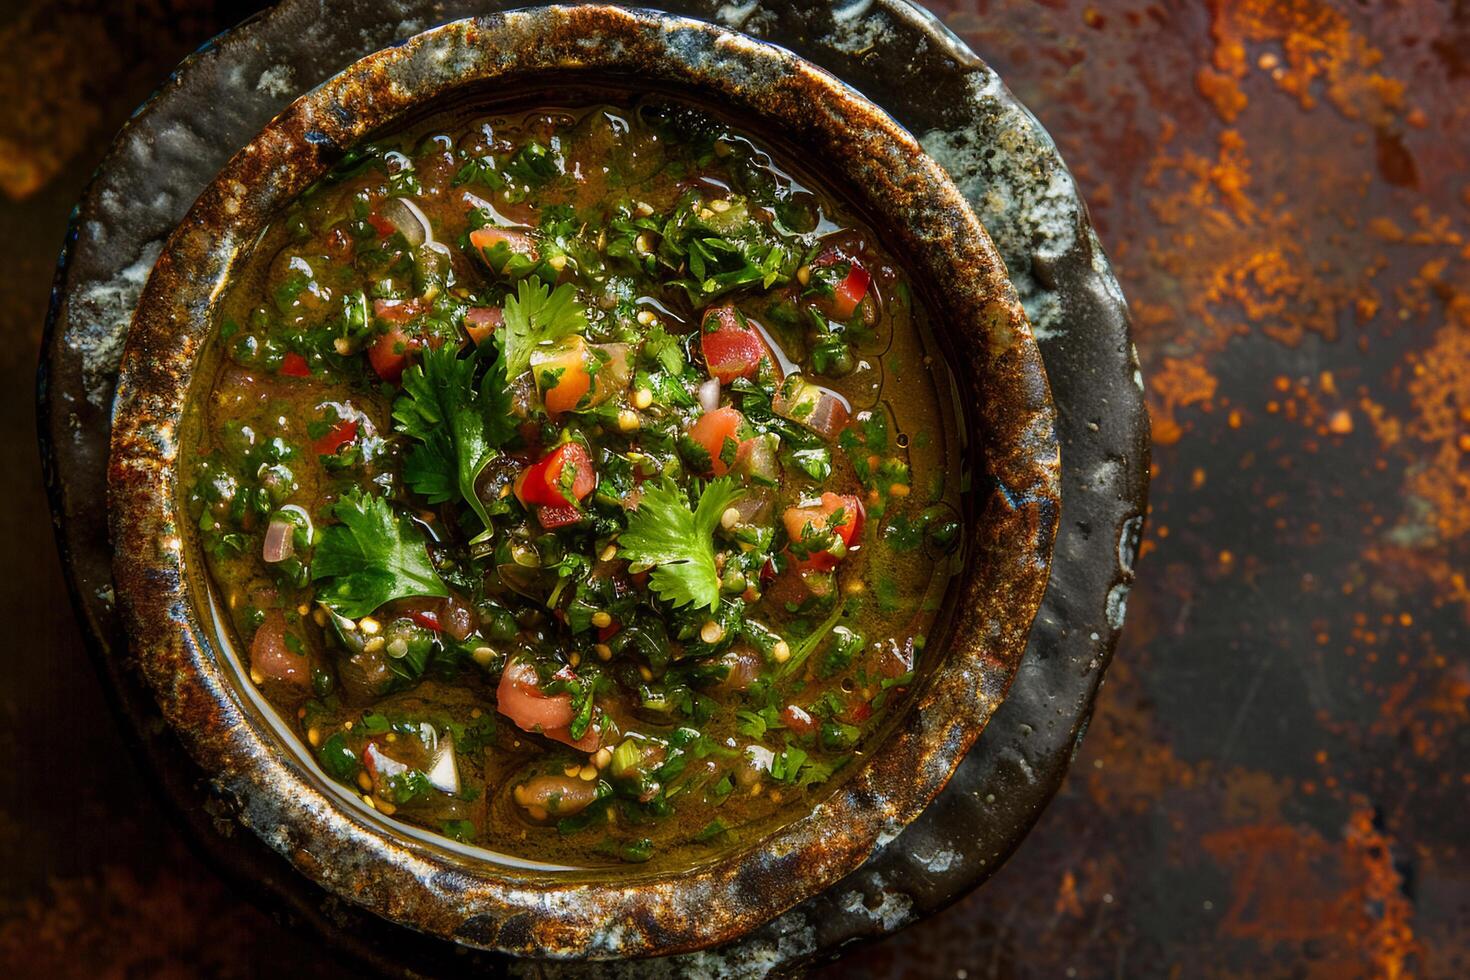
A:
[(1002, 434)]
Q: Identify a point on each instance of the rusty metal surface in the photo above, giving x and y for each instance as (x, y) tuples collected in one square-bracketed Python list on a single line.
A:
[(1274, 781)]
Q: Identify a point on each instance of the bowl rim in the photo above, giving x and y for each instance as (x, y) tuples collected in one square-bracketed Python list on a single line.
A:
[(524, 912)]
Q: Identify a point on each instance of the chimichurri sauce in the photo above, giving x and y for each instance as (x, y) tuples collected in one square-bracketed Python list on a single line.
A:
[(576, 480)]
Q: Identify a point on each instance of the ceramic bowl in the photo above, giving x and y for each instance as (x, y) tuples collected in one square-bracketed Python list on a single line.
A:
[(1011, 504)]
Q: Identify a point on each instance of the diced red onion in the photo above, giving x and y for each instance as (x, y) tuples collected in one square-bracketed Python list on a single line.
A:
[(408, 220), (443, 774), (280, 541), (709, 395), (830, 416)]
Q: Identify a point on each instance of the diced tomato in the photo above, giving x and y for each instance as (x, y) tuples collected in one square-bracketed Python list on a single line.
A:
[(768, 573), (398, 311), (540, 483), (798, 720), (381, 225), (712, 429), (859, 713), (552, 518), (294, 365), (605, 633), (732, 346), (338, 436), (815, 516), (272, 658), (561, 375), (590, 741), (519, 698), (848, 293), (427, 619), (481, 321), (389, 353), (484, 240)]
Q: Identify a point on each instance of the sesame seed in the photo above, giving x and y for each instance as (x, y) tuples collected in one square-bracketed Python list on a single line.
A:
[(601, 618), (572, 771), (364, 781), (604, 652), (644, 245), (369, 625), (781, 652), (629, 420), (609, 553), (804, 275), (342, 345), (711, 632), (320, 616), (644, 209), (374, 645), (899, 490), (854, 587), (602, 758), (647, 318), (588, 773), (642, 398), (483, 656), (391, 737), (398, 648), (705, 214), (574, 658), (720, 206), (256, 676), (386, 807), (303, 609), (314, 736), (369, 801), (646, 674), (557, 262), (729, 518), (476, 712)]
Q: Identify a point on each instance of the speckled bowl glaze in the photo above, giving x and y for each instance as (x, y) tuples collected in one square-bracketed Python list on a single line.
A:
[(1012, 505)]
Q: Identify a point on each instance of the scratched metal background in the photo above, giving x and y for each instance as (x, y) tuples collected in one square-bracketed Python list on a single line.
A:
[(1275, 781)]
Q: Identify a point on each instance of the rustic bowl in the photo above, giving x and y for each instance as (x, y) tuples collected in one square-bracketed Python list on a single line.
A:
[(1011, 503)]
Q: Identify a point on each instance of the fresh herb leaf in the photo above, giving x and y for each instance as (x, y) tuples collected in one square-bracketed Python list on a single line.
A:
[(337, 758), (677, 543), (460, 830), (372, 557), (458, 429), (537, 315), (804, 649)]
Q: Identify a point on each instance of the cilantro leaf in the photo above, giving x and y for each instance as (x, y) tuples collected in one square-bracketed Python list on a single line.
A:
[(458, 429), (677, 543), (372, 557), (536, 315)]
